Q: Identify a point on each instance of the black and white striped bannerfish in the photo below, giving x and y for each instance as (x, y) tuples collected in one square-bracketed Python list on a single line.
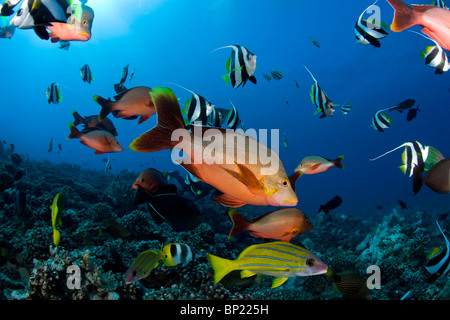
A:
[(198, 109), (367, 32), (416, 154), (320, 99), (440, 4), (439, 260), (346, 107), (53, 93), (241, 66), (380, 121), (234, 122), (86, 74), (434, 56)]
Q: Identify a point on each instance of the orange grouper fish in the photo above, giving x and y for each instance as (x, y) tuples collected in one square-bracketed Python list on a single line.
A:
[(434, 20), (129, 103), (284, 224), (214, 157), (79, 28)]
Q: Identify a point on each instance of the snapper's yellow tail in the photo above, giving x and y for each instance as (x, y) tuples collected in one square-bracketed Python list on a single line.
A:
[(220, 266)]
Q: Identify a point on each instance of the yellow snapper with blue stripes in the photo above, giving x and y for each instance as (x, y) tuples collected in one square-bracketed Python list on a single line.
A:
[(143, 265), (369, 33), (439, 260), (241, 66), (320, 99), (277, 259)]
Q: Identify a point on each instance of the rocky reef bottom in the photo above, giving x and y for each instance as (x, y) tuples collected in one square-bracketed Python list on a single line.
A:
[(91, 259)]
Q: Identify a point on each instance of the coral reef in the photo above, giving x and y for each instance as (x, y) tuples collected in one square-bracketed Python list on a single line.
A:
[(32, 267)]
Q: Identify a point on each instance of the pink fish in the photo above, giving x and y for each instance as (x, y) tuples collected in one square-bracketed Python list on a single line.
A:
[(434, 20), (78, 30), (283, 224)]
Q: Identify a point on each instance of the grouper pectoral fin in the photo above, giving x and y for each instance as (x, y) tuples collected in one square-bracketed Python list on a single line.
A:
[(228, 201), (247, 177)]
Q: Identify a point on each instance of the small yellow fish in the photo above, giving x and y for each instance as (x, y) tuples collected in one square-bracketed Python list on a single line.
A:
[(57, 206)]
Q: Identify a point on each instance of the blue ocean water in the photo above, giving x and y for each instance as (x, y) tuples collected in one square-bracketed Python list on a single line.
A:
[(171, 41)]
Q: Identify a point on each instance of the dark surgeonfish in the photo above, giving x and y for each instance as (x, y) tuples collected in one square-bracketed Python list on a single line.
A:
[(439, 260), (320, 99), (404, 105), (86, 74), (93, 122), (437, 178), (402, 204), (163, 203), (315, 42), (241, 66), (412, 114), (53, 94), (6, 8), (369, 33), (78, 27), (37, 14), (330, 205)]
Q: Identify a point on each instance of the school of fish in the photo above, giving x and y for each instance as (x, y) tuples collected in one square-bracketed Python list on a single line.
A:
[(230, 182)]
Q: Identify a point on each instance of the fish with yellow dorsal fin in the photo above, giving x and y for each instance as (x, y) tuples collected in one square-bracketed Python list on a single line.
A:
[(277, 259)]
